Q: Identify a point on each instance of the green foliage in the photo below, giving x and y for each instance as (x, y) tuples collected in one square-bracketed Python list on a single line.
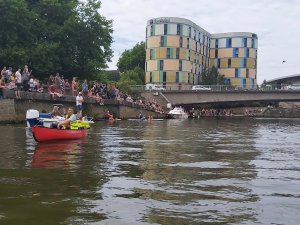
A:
[(130, 59), (66, 36), (212, 77)]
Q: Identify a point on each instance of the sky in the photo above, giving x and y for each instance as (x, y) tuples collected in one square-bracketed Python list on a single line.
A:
[(276, 22)]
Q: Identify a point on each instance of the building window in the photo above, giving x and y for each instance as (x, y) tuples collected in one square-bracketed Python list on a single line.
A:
[(244, 62), (188, 43), (180, 42), (177, 53), (178, 29), (228, 43), (164, 78), (247, 73), (151, 53), (162, 41), (180, 65), (161, 64), (165, 29), (199, 37), (151, 77), (247, 52), (244, 83), (235, 52), (190, 32), (168, 53), (219, 63), (152, 31), (229, 63), (188, 78), (216, 53), (252, 43), (236, 72), (245, 42), (189, 55), (195, 34), (177, 77)]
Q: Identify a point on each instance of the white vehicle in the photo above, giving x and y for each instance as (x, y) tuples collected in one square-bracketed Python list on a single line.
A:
[(155, 87), (200, 88), (293, 87), (178, 113)]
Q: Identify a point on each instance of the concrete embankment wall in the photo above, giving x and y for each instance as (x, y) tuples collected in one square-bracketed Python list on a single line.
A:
[(14, 110)]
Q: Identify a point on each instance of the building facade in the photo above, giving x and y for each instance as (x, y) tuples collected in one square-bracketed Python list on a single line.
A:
[(178, 51)]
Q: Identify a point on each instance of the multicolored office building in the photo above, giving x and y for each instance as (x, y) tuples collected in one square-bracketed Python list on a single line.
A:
[(178, 51)]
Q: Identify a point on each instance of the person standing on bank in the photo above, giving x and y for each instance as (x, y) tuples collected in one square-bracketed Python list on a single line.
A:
[(79, 101)]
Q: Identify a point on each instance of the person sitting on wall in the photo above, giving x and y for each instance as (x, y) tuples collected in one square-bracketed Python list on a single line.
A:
[(53, 92), (70, 117)]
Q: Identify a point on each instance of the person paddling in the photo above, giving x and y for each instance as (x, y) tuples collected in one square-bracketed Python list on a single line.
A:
[(70, 117)]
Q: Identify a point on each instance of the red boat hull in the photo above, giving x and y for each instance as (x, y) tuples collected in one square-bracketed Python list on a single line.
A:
[(42, 134)]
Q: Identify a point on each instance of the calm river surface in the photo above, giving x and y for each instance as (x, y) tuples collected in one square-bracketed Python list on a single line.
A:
[(197, 171)]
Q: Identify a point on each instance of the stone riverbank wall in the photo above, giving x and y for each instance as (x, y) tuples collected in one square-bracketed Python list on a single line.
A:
[(14, 110)]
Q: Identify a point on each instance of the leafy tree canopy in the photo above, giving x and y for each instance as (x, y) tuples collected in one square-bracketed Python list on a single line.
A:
[(66, 36), (132, 58), (212, 77)]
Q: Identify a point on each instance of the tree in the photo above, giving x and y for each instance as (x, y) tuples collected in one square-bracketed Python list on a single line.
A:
[(132, 58), (66, 36), (212, 77)]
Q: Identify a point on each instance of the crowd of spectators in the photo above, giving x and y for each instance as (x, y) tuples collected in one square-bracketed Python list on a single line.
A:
[(211, 112), (58, 87)]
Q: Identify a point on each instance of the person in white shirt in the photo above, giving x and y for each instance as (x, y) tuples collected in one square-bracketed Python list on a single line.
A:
[(79, 101), (18, 77)]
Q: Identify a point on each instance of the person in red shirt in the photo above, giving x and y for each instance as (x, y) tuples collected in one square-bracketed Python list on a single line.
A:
[(52, 92)]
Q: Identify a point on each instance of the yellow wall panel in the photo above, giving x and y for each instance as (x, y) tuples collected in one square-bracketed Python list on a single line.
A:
[(250, 63), (153, 42), (193, 44), (243, 72), (182, 53), (192, 56), (252, 53), (173, 41), (252, 73), (235, 81), (228, 73), (162, 53), (171, 64), (212, 53), (147, 54), (184, 80), (151, 65), (186, 66), (224, 63), (235, 62), (171, 76), (225, 53), (241, 52)]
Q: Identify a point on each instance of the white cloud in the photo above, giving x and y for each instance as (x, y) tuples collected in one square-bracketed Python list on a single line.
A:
[(276, 23)]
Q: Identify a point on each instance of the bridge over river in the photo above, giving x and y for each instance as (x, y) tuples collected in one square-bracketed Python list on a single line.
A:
[(242, 96)]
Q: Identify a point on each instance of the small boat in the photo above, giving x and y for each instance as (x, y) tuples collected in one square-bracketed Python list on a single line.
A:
[(42, 134), (35, 118), (178, 113)]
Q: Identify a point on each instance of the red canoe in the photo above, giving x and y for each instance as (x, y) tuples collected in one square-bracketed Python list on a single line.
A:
[(42, 134)]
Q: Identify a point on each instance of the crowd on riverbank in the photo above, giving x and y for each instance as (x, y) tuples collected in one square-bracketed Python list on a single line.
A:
[(58, 87)]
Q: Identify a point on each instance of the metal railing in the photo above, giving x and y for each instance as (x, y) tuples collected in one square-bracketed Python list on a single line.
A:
[(176, 87)]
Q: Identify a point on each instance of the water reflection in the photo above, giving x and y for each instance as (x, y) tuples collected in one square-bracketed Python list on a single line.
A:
[(64, 154)]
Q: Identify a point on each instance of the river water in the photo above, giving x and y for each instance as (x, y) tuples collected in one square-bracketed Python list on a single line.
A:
[(194, 171)]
